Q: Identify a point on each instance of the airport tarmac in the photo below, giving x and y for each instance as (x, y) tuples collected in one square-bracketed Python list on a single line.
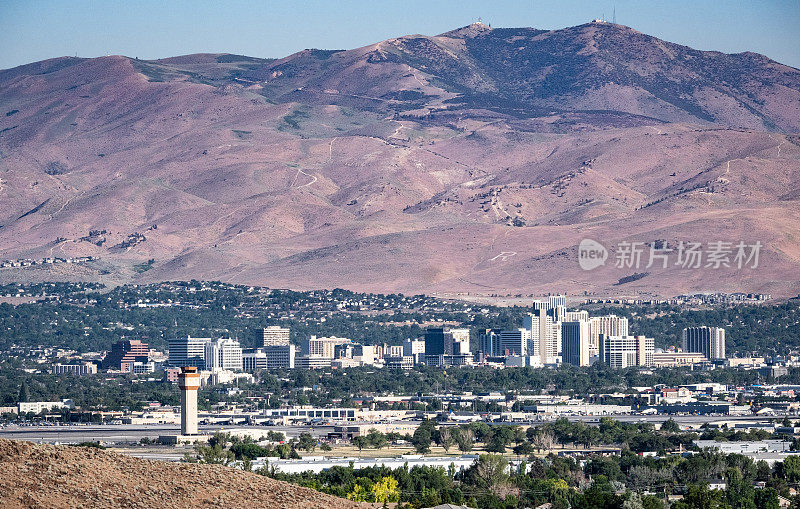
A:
[(128, 433), (133, 433)]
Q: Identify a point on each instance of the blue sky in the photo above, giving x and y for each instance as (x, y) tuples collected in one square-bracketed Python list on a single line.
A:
[(33, 30)]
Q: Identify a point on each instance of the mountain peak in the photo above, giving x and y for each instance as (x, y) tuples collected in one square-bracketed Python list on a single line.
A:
[(468, 32)]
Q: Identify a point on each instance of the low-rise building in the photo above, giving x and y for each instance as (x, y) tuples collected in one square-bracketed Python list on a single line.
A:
[(399, 362), (677, 359), (85, 368), (39, 406), (309, 362)]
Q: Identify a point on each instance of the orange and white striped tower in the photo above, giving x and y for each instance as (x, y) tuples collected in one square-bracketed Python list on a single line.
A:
[(189, 382)]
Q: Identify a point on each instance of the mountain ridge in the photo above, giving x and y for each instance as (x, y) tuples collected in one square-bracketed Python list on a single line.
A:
[(468, 162)]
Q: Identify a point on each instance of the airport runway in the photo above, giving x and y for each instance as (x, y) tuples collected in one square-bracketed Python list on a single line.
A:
[(132, 433), (128, 433)]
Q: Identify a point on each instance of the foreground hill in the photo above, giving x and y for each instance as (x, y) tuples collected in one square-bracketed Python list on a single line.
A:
[(33, 475), (473, 161)]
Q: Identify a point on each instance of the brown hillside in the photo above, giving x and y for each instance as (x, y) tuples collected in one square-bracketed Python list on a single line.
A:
[(474, 161), (33, 475)]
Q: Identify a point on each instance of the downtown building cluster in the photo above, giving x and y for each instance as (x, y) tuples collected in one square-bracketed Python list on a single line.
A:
[(550, 335)]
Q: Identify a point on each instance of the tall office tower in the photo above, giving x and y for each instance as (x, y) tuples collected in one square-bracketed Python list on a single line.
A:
[(187, 351), (434, 342), (125, 353), (710, 341), (322, 347), (609, 325), (515, 342), (554, 342), (540, 304), (414, 348), (490, 345), (223, 353), (552, 302), (453, 343), (456, 341), (544, 338), (557, 313), (625, 351), (575, 341), (189, 382), (276, 335)]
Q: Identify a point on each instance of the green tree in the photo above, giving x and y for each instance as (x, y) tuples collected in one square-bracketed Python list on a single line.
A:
[(376, 439), (24, 394), (670, 426), (700, 497), (360, 442), (214, 454), (790, 469), (490, 473), (446, 438), (422, 437), (464, 438), (306, 442)]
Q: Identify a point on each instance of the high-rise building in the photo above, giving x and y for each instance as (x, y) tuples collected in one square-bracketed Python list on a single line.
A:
[(551, 302), (710, 341), (434, 342), (456, 342), (490, 345), (187, 351), (225, 353), (414, 348), (125, 353), (576, 316), (575, 343), (545, 336), (322, 347), (625, 351), (276, 335), (445, 347), (515, 342), (609, 325)]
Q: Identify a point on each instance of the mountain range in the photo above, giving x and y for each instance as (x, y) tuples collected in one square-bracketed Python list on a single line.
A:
[(475, 161)]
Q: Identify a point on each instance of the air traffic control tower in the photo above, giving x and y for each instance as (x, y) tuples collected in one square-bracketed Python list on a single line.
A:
[(189, 382)]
